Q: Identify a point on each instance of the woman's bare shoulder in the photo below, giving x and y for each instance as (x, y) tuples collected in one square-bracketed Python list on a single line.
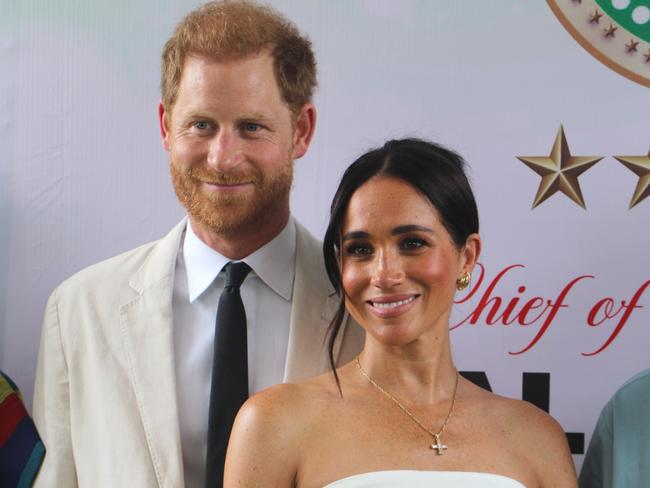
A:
[(533, 433), (288, 402), (518, 414), (270, 432), (543, 440)]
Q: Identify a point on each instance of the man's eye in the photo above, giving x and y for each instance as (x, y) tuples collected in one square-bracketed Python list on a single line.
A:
[(412, 244), (201, 125), (251, 127)]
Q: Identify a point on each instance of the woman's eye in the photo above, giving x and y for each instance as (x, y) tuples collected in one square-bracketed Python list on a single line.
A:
[(412, 244), (358, 250)]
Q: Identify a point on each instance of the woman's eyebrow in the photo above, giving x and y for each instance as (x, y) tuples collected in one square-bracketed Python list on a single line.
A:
[(355, 234), (403, 229)]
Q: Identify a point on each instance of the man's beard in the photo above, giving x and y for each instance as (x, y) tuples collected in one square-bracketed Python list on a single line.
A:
[(231, 214)]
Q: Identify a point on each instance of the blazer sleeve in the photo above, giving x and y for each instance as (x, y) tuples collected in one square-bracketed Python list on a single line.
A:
[(52, 404)]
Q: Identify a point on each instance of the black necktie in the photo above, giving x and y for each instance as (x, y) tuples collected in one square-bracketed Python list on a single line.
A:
[(229, 372)]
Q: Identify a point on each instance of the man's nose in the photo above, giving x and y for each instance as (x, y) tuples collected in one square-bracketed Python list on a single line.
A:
[(224, 152), (388, 271)]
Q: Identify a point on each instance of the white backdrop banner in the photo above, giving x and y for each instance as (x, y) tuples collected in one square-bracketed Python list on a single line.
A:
[(547, 102)]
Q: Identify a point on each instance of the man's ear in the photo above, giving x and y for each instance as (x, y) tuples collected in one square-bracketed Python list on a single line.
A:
[(303, 130), (164, 120), (471, 252)]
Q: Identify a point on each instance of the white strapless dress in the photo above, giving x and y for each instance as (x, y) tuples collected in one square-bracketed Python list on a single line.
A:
[(421, 479)]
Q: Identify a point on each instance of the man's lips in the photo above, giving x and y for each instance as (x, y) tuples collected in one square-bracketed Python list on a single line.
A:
[(227, 187), (393, 305)]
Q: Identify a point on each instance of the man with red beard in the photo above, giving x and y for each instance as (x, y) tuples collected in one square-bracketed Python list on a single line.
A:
[(131, 378)]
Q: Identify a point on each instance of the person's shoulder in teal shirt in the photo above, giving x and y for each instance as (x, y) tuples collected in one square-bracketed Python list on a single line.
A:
[(619, 452)]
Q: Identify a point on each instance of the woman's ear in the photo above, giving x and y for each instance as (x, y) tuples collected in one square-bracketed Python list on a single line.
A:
[(470, 252)]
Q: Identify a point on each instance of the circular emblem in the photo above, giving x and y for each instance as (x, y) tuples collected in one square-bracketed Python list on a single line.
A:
[(616, 32)]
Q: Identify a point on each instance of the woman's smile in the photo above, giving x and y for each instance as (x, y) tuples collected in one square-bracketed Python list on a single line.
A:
[(399, 264), (392, 306)]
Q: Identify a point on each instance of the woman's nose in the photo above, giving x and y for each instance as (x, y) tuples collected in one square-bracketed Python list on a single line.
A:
[(387, 271)]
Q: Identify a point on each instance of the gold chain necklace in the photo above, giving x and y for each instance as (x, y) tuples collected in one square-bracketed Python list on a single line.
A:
[(438, 446)]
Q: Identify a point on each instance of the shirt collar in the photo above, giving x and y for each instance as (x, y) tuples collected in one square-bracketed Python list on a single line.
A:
[(274, 263)]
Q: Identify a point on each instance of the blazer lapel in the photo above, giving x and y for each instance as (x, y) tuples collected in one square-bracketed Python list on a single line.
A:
[(146, 328), (313, 306)]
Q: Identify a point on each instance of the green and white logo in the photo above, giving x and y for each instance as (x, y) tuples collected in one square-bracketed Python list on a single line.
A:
[(616, 32)]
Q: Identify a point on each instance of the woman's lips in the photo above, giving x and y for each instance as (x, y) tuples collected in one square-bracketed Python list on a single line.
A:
[(391, 306)]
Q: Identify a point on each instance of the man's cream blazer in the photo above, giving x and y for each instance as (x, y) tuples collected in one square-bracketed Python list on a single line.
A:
[(105, 395)]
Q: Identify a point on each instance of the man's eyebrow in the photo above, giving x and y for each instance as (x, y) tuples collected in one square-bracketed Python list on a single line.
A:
[(205, 114), (259, 116), (194, 115), (355, 234), (403, 229)]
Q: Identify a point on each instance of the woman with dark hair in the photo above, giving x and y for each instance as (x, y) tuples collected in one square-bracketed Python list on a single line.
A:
[(402, 238)]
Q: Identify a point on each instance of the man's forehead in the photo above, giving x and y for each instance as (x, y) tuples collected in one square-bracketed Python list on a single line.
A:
[(254, 74), (262, 58), (230, 56), (250, 83)]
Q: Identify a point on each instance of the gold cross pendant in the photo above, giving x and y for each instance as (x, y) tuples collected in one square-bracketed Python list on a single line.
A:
[(438, 446)]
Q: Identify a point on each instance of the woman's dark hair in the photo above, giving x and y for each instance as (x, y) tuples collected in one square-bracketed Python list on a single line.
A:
[(435, 171)]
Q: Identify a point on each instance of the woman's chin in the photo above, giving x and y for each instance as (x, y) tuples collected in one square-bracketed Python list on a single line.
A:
[(394, 334)]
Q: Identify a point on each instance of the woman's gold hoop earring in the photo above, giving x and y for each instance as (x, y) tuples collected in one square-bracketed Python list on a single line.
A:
[(463, 282)]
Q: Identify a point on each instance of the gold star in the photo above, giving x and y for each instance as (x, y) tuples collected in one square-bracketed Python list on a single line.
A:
[(631, 46), (640, 165), (559, 171), (595, 17), (609, 32)]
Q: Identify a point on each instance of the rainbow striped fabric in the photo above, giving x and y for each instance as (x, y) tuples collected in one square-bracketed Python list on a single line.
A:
[(21, 449)]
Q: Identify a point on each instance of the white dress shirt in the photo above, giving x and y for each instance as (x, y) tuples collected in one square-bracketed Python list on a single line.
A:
[(266, 293)]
